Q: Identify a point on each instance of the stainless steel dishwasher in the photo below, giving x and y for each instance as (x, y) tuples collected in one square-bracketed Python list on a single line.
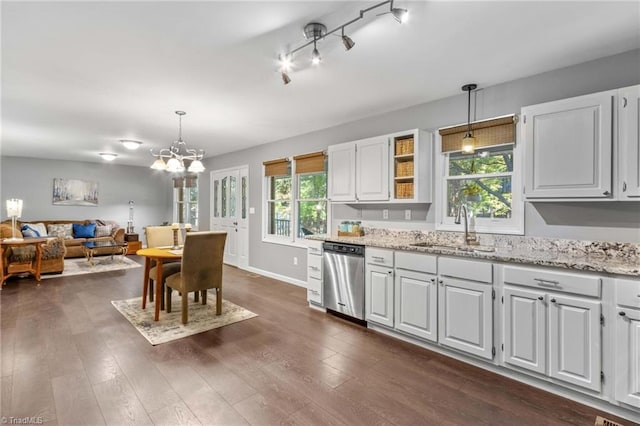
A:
[(343, 278)]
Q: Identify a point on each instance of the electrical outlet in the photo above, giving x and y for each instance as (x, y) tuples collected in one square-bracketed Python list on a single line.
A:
[(407, 214), (295, 260), (385, 213), (252, 210)]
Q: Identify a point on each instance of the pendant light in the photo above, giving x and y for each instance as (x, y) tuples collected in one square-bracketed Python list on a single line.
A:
[(469, 142)]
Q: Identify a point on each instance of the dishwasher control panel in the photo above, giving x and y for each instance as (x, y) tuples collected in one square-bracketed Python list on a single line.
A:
[(344, 248)]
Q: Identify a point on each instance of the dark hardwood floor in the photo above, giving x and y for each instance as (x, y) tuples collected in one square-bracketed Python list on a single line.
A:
[(69, 357)]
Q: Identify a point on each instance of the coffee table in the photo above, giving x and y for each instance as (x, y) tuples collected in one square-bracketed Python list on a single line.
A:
[(90, 248)]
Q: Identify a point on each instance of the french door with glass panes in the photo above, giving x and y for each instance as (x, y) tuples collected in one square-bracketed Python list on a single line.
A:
[(229, 212)]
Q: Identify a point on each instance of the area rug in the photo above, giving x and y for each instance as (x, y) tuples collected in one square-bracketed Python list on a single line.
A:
[(81, 265), (169, 327)]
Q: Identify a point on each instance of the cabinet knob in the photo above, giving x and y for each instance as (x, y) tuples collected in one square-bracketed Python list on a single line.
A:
[(389, 272), (441, 282), (433, 280), (605, 193), (553, 300), (540, 297), (622, 313)]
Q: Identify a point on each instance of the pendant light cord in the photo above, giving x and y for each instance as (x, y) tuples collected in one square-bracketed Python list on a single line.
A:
[(469, 113)]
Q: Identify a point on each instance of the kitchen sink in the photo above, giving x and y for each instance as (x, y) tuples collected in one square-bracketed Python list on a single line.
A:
[(457, 247)]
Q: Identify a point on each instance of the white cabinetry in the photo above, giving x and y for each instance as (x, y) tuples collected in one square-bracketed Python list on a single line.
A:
[(465, 306), (629, 141), (314, 272), (569, 148), (627, 353), (416, 295), (541, 321), (359, 171), (379, 286)]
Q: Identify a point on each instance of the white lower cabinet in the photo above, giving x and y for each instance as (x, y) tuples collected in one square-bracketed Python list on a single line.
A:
[(465, 307), (627, 354), (314, 272), (379, 286), (416, 296), (552, 333)]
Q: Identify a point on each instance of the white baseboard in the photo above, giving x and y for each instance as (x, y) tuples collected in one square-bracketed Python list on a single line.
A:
[(284, 278)]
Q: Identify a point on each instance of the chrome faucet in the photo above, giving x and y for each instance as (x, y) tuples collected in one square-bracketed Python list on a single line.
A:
[(471, 240)]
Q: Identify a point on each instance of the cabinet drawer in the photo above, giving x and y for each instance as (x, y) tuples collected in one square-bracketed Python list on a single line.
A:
[(466, 269), (379, 256), (416, 262), (628, 293), (553, 281), (314, 247), (314, 284), (314, 267)]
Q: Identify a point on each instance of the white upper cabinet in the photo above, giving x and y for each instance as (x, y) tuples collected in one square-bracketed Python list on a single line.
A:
[(629, 142), (569, 147), (389, 168), (372, 169), (342, 172)]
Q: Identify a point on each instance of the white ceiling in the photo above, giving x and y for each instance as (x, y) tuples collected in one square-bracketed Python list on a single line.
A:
[(79, 76)]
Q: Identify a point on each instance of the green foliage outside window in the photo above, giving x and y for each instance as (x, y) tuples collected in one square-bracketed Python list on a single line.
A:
[(312, 204)]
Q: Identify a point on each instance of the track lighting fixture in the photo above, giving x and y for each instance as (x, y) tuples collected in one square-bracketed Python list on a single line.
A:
[(315, 32)]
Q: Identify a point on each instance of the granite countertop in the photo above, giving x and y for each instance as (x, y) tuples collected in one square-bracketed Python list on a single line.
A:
[(611, 258)]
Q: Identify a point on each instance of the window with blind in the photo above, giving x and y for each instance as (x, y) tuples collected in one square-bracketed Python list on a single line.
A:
[(295, 197), (484, 181)]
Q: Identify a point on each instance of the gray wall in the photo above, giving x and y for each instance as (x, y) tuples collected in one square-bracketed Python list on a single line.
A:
[(32, 180), (608, 221)]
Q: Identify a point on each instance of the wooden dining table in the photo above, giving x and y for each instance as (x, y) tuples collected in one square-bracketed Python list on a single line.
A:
[(160, 255)]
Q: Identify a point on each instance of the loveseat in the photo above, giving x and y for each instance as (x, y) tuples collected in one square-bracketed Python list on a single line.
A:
[(52, 261), (73, 236)]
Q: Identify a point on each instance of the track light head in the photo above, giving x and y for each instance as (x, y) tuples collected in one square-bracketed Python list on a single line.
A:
[(346, 40), (285, 63), (315, 55), (285, 78), (400, 15)]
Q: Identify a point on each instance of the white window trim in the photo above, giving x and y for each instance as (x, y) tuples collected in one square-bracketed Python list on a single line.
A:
[(513, 226), (292, 240)]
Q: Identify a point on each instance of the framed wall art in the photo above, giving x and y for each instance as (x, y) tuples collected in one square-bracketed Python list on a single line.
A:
[(74, 192)]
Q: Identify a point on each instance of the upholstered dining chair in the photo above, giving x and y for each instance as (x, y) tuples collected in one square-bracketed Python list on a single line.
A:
[(201, 269), (160, 236)]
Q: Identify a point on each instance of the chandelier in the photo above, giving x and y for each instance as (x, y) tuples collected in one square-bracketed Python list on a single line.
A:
[(179, 157)]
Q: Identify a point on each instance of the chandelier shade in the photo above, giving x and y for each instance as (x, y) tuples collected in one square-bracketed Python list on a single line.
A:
[(178, 157)]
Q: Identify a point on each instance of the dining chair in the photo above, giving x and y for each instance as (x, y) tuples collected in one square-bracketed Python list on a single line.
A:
[(201, 269), (160, 236)]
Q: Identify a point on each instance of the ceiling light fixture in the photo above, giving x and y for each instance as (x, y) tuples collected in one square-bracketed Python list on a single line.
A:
[(315, 32), (130, 144), (108, 156), (469, 142), (179, 157)]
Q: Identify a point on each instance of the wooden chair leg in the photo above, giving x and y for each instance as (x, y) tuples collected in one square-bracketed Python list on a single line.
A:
[(204, 297), (168, 299), (162, 300), (195, 296), (185, 307), (218, 301)]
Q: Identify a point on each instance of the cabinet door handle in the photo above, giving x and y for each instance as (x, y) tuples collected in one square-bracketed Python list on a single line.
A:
[(441, 282), (624, 186), (540, 298), (389, 272), (553, 300), (622, 313), (624, 102), (605, 193), (433, 280)]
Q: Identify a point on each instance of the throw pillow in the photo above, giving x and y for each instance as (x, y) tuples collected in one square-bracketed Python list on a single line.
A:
[(103, 230), (39, 227), (84, 231), (63, 230), (29, 232)]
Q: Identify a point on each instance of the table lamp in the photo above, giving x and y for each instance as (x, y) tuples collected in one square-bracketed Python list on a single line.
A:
[(14, 210)]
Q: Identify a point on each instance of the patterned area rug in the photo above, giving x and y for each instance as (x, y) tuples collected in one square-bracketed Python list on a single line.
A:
[(81, 265), (169, 327)]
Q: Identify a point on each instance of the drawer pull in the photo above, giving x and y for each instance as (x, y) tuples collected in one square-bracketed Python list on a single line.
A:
[(314, 268), (622, 313), (379, 258), (540, 297), (543, 282), (553, 300)]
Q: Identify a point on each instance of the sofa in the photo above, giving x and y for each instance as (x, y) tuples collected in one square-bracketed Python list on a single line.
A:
[(65, 229)]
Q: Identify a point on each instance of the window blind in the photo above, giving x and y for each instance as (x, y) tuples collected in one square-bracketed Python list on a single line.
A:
[(495, 131), (310, 163), (279, 167)]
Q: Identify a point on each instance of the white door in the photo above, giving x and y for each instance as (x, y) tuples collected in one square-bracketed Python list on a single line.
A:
[(569, 147), (525, 333), (379, 295), (341, 172), (229, 212), (629, 140), (465, 316), (628, 356), (574, 341), (372, 169), (416, 304)]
